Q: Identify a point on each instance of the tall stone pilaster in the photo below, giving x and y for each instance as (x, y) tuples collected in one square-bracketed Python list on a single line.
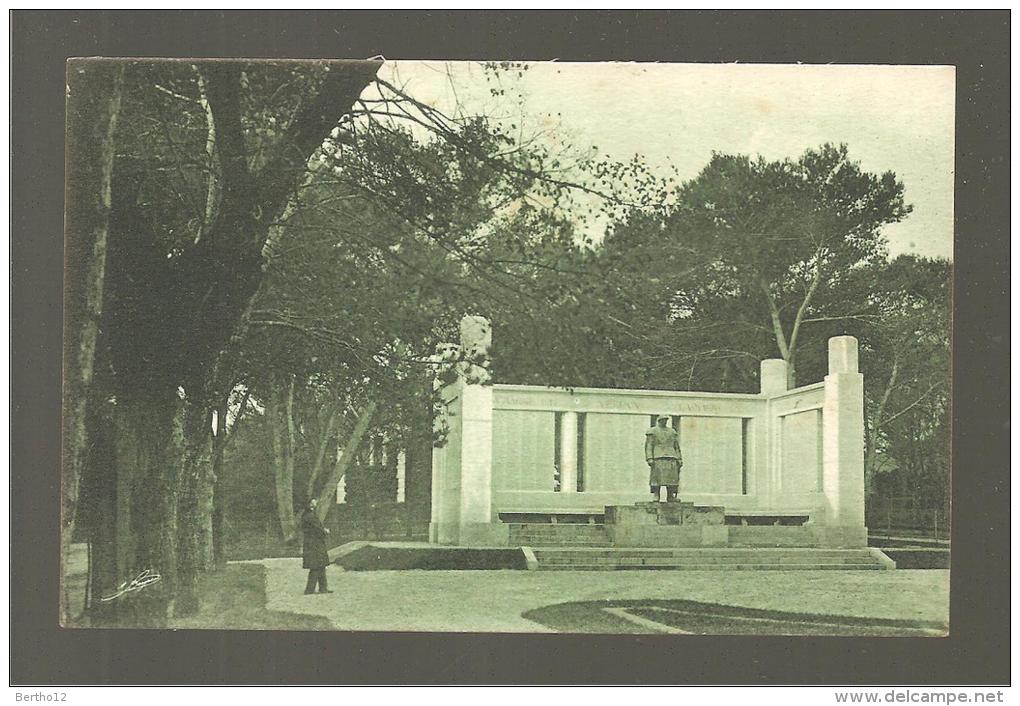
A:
[(773, 381), (568, 452), (843, 441), (462, 470)]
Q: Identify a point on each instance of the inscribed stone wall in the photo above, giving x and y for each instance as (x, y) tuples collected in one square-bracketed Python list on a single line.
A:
[(801, 465), (614, 452), (523, 450), (788, 451), (713, 454)]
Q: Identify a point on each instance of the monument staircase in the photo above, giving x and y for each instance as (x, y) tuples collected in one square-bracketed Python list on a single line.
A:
[(574, 558), (672, 536), (539, 534)]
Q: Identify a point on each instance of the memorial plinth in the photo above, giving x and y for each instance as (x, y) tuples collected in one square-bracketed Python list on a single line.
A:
[(652, 513), (679, 524)]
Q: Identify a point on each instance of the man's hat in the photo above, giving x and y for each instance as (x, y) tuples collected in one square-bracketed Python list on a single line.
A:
[(663, 416)]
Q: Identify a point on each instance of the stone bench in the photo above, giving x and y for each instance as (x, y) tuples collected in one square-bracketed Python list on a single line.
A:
[(551, 516), (764, 518)]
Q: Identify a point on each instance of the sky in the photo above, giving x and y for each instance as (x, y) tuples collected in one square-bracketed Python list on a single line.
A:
[(892, 118)]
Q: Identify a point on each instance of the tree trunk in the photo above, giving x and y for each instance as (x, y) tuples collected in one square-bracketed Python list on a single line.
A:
[(212, 196), (873, 429), (288, 410), (219, 501), (93, 102), (326, 442), (786, 350), (147, 466), (193, 511), (284, 461), (349, 453), (167, 322), (418, 461), (98, 513), (206, 504)]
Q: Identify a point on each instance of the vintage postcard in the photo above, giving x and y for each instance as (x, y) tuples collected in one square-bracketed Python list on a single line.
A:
[(619, 348)]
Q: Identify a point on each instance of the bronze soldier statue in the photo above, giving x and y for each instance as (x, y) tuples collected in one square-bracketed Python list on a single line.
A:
[(662, 452)]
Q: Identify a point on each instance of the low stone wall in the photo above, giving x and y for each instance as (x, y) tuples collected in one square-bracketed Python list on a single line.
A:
[(383, 557), (918, 558), (804, 536)]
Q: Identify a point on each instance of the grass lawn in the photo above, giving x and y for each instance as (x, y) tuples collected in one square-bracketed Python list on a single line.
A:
[(694, 618)]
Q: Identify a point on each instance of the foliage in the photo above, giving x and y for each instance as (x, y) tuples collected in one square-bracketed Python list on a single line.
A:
[(906, 363), (206, 157), (749, 258), (754, 260)]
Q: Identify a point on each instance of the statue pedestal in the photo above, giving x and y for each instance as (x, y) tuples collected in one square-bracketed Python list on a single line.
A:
[(676, 524), (651, 513)]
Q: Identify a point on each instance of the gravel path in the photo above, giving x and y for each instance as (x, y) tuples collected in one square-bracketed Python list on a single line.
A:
[(493, 601)]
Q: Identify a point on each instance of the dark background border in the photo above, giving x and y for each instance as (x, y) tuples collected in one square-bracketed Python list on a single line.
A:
[(977, 651)]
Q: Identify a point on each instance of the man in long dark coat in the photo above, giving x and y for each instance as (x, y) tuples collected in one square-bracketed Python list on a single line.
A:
[(662, 453), (315, 557)]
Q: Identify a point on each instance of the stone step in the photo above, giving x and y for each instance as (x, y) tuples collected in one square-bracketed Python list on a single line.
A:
[(559, 559), (569, 558), (558, 543), (524, 535), (709, 567), (724, 553), (696, 560), (558, 535), (543, 536), (564, 542), (557, 527), (792, 559), (564, 535), (579, 545)]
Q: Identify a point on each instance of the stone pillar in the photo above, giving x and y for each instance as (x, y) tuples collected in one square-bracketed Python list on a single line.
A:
[(476, 423), (773, 382), (843, 442), (462, 471), (476, 455), (568, 452), (773, 376), (843, 355)]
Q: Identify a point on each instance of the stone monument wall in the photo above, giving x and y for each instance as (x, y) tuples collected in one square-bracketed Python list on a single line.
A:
[(529, 449)]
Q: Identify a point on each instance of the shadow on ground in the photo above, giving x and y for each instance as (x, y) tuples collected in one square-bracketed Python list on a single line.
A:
[(234, 598), (398, 556), (691, 617)]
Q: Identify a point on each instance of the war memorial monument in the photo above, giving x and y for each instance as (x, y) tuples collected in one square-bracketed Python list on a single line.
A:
[(562, 473)]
